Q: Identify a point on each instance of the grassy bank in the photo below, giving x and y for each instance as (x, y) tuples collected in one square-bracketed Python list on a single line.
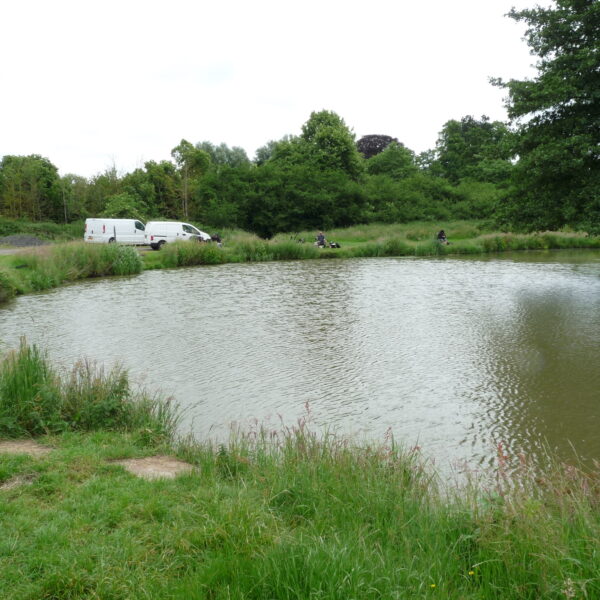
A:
[(414, 239), (50, 266), (46, 231), (47, 267), (277, 514)]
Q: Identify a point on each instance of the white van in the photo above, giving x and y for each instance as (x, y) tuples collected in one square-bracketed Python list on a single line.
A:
[(107, 231), (159, 233)]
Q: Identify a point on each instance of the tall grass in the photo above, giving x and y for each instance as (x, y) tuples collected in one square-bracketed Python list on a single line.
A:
[(292, 514), (50, 266), (333, 519), (35, 399), (186, 254)]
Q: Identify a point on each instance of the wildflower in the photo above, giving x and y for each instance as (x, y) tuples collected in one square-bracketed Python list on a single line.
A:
[(471, 572), (432, 585)]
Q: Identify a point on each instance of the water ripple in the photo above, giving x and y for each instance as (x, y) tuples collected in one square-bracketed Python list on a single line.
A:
[(455, 355)]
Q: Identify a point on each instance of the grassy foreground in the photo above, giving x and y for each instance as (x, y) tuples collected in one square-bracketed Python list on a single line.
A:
[(271, 515)]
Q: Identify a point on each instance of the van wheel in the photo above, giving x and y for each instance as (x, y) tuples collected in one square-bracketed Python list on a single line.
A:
[(160, 244), (111, 241)]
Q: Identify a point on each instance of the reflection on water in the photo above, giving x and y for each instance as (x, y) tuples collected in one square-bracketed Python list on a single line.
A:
[(454, 355)]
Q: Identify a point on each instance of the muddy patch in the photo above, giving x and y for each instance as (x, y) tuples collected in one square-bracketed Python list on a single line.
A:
[(23, 447), (155, 467)]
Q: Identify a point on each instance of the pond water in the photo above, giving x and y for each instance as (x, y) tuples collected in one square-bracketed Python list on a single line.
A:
[(455, 355)]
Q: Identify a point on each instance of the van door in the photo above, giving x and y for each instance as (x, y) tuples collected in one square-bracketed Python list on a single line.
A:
[(139, 233), (188, 231)]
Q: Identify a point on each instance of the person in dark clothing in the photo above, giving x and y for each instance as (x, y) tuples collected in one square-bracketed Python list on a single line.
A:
[(321, 241), (441, 237)]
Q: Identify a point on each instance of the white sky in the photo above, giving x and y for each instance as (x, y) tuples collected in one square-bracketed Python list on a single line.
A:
[(89, 83)]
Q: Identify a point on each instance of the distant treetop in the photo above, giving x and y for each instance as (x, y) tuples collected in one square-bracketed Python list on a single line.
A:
[(370, 145)]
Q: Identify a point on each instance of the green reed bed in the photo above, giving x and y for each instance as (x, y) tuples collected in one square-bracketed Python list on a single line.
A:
[(36, 399), (50, 266)]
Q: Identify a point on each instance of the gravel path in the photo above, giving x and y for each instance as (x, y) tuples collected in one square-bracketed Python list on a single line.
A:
[(20, 241)]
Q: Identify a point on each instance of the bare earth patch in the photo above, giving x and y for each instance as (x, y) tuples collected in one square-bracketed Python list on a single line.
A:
[(23, 447), (155, 467), (17, 481)]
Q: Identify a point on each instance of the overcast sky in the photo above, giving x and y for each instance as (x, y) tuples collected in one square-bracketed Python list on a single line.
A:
[(90, 83)]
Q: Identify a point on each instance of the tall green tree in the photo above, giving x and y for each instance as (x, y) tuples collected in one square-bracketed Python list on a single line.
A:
[(395, 161), (477, 149), (331, 144), (30, 188), (192, 162), (223, 155), (557, 113), (101, 186), (165, 180)]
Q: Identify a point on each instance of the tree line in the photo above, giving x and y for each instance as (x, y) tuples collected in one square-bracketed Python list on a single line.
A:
[(537, 171)]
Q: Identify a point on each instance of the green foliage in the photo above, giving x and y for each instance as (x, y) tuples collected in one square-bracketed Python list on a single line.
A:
[(474, 149), (193, 163), (223, 155), (8, 288), (418, 197), (29, 394), (124, 206), (185, 254), (289, 197), (557, 177), (396, 161), (30, 188), (331, 144), (43, 230), (51, 266), (36, 400)]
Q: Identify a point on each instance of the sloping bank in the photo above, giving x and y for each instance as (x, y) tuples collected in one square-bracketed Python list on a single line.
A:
[(273, 514), (51, 266)]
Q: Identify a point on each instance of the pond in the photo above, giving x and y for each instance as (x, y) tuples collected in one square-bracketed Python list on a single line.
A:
[(455, 355)]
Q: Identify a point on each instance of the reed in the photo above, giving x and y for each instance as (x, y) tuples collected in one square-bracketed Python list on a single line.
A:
[(36, 400), (186, 254), (50, 266)]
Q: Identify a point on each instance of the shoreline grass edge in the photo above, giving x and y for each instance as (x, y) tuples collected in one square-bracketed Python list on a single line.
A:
[(51, 266)]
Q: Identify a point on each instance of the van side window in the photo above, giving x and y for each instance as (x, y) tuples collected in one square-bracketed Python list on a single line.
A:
[(139, 226), (188, 229), (195, 231)]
